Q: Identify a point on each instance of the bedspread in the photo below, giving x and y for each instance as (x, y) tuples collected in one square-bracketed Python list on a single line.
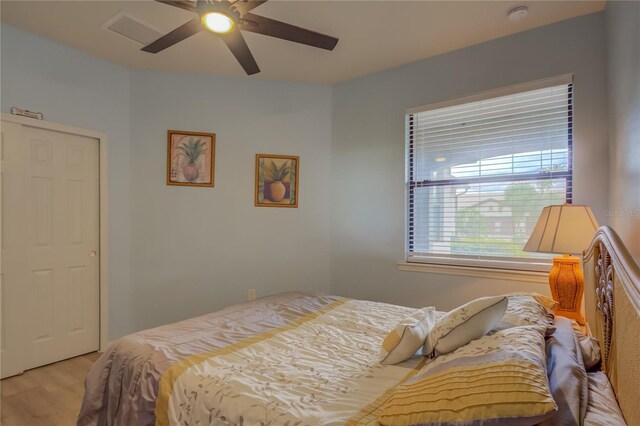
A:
[(290, 359)]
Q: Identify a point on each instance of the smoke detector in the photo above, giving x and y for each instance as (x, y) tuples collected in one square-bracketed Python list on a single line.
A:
[(517, 13)]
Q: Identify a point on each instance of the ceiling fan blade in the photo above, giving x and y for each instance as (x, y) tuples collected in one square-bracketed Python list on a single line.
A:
[(244, 6), (238, 46), (277, 29), (186, 5), (185, 31)]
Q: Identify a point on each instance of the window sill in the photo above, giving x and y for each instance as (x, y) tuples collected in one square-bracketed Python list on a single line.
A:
[(479, 272)]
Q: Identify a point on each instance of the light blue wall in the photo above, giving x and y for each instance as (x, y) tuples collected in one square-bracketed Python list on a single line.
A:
[(179, 252), (196, 250), (73, 88), (623, 66), (368, 149)]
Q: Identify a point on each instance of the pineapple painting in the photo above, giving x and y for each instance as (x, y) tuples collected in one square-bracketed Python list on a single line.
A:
[(276, 180), (192, 150), (191, 158)]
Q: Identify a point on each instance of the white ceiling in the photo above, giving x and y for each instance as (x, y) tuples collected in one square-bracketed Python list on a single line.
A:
[(374, 35)]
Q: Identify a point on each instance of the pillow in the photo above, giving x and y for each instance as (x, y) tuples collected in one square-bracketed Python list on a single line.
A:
[(528, 309), (464, 324), (589, 346), (499, 379), (567, 376), (549, 304), (407, 337)]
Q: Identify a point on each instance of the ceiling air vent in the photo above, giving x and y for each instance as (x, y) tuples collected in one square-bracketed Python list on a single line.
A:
[(131, 28)]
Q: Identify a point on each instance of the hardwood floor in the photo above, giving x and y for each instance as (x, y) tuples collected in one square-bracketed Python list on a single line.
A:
[(47, 396)]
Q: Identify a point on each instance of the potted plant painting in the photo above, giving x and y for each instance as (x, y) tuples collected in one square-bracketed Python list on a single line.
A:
[(192, 150), (276, 180), (190, 158)]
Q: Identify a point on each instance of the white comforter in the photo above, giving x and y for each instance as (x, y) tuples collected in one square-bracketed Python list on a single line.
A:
[(319, 370)]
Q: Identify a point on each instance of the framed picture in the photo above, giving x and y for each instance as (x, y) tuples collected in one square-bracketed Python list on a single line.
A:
[(277, 180), (190, 158)]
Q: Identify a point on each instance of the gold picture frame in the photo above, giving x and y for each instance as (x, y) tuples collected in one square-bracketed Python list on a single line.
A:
[(191, 158), (277, 180)]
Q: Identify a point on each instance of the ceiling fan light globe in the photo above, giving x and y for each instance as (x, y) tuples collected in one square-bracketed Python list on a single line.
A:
[(218, 22)]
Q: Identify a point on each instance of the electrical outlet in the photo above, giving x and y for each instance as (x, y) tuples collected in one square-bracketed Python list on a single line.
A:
[(251, 294)]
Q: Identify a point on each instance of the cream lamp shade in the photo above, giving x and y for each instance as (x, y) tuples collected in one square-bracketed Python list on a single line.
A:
[(566, 229)]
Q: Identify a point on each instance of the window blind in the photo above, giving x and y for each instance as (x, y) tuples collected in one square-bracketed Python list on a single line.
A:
[(480, 172)]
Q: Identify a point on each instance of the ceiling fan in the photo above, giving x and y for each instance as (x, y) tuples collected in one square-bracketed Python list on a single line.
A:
[(226, 18)]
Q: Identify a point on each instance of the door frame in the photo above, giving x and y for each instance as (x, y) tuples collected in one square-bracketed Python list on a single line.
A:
[(103, 257)]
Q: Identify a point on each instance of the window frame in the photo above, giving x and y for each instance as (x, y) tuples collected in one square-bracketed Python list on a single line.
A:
[(491, 262)]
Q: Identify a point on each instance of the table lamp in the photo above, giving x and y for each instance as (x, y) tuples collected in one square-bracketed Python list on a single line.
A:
[(566, 229)]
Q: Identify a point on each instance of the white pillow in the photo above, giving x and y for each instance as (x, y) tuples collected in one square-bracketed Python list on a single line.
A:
[(466, 323), (528, 309), (407, 337)]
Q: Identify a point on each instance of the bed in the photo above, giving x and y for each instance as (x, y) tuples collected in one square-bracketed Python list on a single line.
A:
[(612, 301), (296, 359)]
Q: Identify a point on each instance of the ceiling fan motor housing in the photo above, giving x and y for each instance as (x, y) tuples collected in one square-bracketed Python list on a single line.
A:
[(224, 6)]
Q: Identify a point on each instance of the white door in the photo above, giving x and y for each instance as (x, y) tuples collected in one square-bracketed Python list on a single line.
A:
[(11, 243), (51, 229)]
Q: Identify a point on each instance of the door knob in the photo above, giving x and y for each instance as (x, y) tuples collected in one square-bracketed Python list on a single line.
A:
[(92, 253)]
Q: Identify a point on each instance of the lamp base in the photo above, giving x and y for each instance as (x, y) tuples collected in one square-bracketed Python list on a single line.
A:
[(567, 287)]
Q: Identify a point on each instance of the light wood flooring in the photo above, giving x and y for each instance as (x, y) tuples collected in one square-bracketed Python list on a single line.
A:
[(47, 396)]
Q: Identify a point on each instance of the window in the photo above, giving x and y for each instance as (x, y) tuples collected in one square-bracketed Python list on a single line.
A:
[(480, 170)]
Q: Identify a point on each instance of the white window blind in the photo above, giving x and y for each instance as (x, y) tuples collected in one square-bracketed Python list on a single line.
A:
[(480, 172)]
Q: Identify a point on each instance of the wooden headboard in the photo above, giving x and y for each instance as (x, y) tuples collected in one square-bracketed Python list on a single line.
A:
[(612, 301)]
